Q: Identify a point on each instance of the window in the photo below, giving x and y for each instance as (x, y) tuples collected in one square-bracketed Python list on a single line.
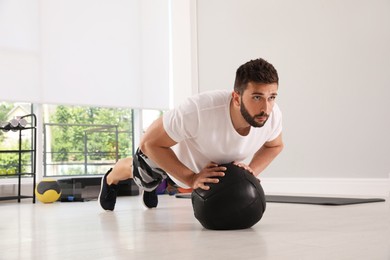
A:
[(77, 140), (82, 140)]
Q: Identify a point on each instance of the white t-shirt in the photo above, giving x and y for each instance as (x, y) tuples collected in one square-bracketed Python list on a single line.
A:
[(204, 132)]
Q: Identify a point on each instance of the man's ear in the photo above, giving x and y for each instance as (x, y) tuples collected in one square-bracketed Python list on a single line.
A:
[(236, 98)]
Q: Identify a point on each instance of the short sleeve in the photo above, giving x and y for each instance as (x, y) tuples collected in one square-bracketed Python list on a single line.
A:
[(182, 122)]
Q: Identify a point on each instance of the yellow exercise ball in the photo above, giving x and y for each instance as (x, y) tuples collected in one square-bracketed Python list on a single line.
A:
[(48, 191)]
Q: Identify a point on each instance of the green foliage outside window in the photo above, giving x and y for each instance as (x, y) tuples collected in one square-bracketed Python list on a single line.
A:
[(90, 131), (9, 163)]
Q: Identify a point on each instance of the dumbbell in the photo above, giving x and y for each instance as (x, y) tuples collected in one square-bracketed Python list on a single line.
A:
[(15, 124)]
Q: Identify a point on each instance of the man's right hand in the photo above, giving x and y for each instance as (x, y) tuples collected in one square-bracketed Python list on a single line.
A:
[(207, 175)]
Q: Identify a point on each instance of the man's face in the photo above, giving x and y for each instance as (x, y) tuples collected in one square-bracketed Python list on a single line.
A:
[(257, 102)]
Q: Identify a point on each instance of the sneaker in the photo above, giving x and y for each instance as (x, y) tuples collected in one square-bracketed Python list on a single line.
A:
[(107, 196), (150, 199)]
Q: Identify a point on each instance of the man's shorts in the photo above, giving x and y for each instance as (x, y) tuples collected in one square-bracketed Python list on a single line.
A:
[(146, 174)]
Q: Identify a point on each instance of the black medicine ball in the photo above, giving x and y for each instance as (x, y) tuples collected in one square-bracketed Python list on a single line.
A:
[(236, 202)]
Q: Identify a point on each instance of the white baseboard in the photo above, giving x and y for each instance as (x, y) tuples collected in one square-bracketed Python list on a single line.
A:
[(325, 187)]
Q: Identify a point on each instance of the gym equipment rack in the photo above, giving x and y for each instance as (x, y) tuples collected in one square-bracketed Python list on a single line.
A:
[(19, 169)]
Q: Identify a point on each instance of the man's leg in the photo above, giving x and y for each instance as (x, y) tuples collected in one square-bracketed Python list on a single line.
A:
[(148, 176), (145, 174), (122, 170), (109, 187)]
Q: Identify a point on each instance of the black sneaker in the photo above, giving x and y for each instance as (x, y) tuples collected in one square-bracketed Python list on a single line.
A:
[(150, 199), (107, 196)]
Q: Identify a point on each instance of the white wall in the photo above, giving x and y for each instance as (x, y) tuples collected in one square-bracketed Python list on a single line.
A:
[(333, 59)]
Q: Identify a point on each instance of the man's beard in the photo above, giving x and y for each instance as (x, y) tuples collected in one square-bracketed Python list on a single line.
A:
[(251, 119)]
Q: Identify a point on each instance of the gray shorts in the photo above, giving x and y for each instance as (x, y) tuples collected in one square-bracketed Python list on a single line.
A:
[(146, 174)]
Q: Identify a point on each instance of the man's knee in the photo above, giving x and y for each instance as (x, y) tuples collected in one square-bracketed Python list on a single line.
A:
[(124, 165)]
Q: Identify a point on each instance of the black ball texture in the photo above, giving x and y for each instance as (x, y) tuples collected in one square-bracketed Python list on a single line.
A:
[(236, 202)]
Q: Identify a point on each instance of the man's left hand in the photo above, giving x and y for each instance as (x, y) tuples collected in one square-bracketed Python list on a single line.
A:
[(244, 166)]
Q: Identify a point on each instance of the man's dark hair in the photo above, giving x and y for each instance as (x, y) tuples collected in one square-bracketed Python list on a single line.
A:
[(257, 71)]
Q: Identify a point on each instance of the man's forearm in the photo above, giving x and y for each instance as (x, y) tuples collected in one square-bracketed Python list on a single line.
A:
[(264, 157)]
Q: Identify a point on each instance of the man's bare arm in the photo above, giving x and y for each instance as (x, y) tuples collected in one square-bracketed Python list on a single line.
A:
[(156, 144), (266, 154)]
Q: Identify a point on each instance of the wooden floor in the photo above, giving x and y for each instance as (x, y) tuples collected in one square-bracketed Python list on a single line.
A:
[(81, 230)]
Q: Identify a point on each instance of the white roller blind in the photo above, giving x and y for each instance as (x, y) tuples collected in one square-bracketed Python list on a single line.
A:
[(85, 52), (101, 53), (19, 51)]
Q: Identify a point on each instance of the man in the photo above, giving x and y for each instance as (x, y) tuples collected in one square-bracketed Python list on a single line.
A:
[(189, 142)]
